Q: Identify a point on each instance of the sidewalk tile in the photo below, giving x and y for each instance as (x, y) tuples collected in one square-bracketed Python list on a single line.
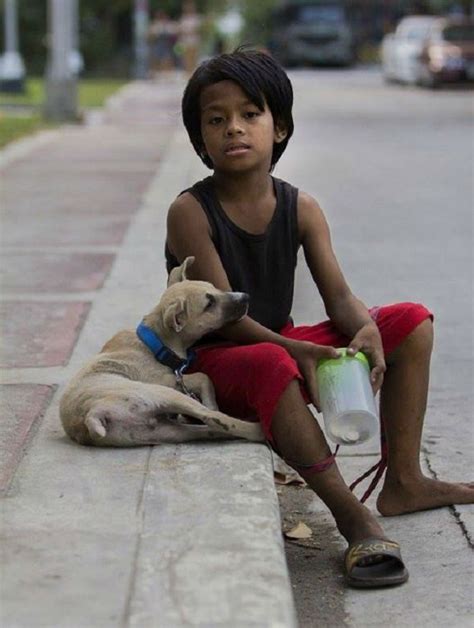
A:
[(53, 272), (75, 230), (21, 406), (39, 333)]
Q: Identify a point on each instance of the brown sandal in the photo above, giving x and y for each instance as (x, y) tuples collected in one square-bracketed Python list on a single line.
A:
[(374, 563)]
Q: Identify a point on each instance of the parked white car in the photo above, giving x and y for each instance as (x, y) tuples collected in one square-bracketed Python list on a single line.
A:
[(429, 50)]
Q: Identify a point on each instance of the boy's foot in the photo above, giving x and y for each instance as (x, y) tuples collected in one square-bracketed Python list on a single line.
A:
[(371, 560), (358, 524), (397, 498)]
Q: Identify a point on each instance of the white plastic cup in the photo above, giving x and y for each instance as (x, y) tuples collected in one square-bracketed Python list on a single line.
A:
[(346, 398)]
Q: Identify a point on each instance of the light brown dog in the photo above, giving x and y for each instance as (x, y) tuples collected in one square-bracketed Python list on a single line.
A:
[(125, 397)]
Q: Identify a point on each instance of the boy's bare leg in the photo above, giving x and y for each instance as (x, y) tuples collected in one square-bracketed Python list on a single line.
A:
[(403, 405), (299, 439)]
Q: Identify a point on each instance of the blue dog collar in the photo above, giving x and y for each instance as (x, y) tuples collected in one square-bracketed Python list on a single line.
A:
[(162, 353)]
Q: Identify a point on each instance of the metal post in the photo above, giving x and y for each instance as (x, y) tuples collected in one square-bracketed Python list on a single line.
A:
[(141, 43), (61, 85), (75, 59), (12, 69)]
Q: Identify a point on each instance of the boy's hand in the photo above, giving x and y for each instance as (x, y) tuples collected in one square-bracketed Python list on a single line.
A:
[(306, 355), (368, 341)]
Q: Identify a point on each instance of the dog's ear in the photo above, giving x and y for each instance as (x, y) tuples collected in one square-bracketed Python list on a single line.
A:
[(175, 315), (179, 273)]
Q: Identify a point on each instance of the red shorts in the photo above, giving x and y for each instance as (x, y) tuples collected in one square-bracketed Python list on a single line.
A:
[(249, 379)]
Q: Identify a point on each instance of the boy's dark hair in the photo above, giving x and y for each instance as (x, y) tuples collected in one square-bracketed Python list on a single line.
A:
[(258, 75)]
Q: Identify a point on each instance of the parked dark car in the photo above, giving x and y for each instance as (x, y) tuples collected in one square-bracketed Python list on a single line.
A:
[(307, 33), (429, 51)]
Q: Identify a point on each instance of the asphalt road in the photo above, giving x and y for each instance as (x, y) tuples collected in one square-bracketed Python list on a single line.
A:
[(392, 167)]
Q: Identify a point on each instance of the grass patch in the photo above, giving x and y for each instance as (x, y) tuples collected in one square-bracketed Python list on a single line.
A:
[(15, 127), (91, 92)]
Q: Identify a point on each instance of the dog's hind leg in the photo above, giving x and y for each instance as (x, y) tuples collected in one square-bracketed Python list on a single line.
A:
[(135, 414), (111, 427), (178, 403)]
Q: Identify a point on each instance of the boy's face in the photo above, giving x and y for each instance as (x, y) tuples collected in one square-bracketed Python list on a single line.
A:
[(237, 135)]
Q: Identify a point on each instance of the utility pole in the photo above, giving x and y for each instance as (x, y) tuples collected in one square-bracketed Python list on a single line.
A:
[(140, 36), (12, 69), (76, 61), (61, 84)]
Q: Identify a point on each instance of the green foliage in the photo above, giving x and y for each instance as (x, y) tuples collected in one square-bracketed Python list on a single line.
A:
[(91, 93), (33, 96), (173, 7), (32, 18), (14, 127), (106, 32), (257, 16), (106, 36), (94, 92)]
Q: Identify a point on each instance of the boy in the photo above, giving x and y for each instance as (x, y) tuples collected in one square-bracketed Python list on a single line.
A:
[(244, 228)]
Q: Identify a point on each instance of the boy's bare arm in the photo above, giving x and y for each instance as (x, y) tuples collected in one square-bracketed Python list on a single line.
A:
[(346, 311)]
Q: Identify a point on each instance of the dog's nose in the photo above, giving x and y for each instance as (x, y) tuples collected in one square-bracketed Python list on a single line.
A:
[(241, 297), (237, 305)]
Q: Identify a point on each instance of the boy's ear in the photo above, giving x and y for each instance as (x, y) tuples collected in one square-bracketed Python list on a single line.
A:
[(202, 151), (280, 133)]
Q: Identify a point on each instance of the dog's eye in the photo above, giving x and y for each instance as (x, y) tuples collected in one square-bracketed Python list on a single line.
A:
[(210, 301)]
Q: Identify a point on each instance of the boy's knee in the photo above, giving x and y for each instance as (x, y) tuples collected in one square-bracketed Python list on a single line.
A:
[(268, 356), (418, 343), (422, 335)]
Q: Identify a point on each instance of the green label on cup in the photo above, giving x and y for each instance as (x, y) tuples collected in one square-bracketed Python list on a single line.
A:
[(344, 356)]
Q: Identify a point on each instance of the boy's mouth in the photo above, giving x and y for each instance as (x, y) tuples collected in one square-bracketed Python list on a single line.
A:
[(236, 148)]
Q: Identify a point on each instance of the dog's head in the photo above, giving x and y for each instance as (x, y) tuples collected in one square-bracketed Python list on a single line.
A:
[(194, 308)]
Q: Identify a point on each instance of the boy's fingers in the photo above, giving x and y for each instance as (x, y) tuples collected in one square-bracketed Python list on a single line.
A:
[(353, 348), (376, 378), (328, 352)]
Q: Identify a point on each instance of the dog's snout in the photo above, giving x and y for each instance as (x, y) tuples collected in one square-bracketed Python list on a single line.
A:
[(237, 305), (242, 297)]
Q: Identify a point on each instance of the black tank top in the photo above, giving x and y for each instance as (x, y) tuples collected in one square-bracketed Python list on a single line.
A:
[(262, 265)]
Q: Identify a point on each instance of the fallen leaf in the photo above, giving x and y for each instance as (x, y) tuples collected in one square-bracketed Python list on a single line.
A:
[(300, 531), (286, 478)]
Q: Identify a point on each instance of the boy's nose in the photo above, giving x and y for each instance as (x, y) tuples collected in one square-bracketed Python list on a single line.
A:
[(233, 128)]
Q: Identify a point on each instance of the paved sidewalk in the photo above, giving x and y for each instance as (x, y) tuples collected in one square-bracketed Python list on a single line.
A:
[(166, 536), (67, 202)]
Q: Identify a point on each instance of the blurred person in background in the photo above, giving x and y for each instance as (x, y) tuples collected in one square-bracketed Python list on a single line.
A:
[(189, 38), (162, 35)]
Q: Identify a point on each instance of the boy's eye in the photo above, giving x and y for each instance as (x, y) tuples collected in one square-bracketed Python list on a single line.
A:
[(251, 114), (215, 120)]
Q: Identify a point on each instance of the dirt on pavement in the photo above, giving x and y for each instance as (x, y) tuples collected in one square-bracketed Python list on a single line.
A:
[(315, 563)]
